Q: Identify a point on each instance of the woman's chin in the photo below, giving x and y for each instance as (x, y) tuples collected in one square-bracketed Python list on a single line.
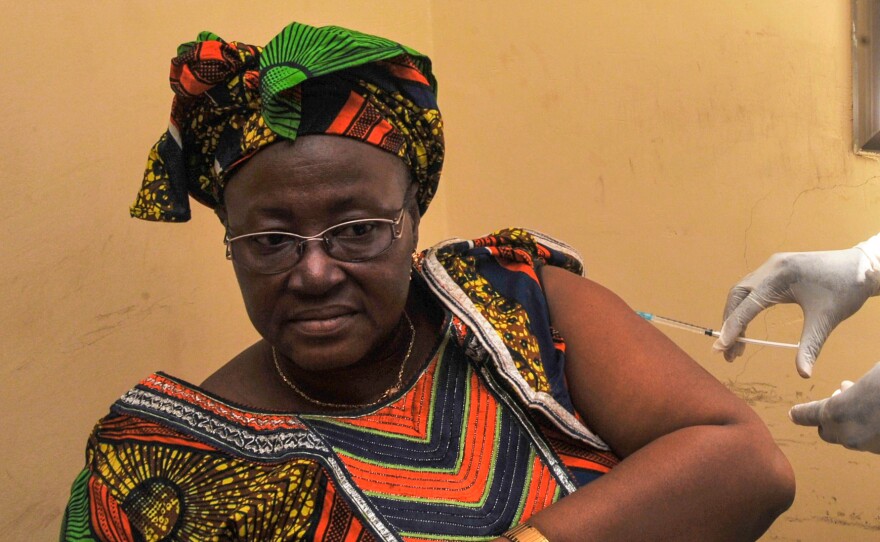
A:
[(326, 357)]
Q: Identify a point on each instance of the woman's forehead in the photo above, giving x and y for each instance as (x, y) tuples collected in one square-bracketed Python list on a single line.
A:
[(324, 172), (323, 151)]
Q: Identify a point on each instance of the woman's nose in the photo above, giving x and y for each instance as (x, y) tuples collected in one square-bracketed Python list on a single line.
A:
[(316, 272)]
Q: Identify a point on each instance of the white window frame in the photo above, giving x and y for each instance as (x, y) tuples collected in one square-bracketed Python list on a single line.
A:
[(866, 76)]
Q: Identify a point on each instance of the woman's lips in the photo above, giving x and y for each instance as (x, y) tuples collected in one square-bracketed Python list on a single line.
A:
[(320, 324)]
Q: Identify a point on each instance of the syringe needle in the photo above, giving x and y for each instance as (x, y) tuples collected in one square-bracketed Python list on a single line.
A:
[(708, 331)]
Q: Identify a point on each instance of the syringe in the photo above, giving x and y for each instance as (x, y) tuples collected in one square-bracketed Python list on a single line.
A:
[(707, 331)]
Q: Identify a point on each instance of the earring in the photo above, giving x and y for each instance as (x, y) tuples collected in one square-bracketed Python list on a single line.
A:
[(415, 264)]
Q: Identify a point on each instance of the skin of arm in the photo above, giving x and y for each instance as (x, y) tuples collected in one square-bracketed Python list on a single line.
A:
[(697, 462)]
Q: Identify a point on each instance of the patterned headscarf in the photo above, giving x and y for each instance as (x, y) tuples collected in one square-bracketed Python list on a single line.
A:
[(232, 99)]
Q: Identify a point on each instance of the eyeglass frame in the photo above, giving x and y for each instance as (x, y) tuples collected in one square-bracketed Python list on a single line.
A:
[(299, 248)]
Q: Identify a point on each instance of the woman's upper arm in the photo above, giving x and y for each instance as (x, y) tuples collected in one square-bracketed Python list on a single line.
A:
[(631, 384)]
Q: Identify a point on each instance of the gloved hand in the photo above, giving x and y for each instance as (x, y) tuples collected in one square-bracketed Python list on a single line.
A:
[(851, 416), (829, 286)]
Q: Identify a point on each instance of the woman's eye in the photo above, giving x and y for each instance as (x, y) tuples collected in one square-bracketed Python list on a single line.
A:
[(356, 230), (271, 240)]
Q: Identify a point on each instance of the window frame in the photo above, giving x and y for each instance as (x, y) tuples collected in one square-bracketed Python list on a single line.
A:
[(866, 76)]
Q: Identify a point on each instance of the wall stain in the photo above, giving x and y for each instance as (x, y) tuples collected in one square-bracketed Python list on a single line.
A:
[(800, 194), (840, 518), (113, 321), (754, 392)]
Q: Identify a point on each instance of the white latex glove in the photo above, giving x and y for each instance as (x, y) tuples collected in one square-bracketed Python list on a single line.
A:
[(851, 416), (829, 286)]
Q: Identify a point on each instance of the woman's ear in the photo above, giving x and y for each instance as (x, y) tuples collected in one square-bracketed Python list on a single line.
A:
[(412, 209), (416, 217)]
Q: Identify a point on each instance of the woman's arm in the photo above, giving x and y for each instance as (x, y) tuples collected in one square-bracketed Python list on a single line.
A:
[(698, 463)]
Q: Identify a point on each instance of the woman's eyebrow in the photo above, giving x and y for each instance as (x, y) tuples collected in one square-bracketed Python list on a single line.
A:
[(339, 206)]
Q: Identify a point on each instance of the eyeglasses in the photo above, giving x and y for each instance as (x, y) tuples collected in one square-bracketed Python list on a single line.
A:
[(270, 252)]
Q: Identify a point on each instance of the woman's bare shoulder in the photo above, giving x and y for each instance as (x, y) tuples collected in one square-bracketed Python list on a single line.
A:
[(632, 383)]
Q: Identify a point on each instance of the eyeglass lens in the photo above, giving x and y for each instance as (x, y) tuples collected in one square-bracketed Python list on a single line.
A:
[(277, 252)]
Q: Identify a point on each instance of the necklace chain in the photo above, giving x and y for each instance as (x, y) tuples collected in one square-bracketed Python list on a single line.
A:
[(385, 395)]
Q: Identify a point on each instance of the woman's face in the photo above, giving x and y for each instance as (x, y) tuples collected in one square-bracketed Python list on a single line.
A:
[(324, 313)]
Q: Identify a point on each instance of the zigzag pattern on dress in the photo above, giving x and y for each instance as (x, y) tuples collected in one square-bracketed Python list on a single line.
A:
[(447, 460)]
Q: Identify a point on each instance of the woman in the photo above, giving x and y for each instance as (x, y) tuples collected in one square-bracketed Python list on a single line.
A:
[(478, 390)]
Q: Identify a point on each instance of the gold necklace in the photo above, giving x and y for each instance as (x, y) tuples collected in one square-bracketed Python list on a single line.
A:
[(385, 395)]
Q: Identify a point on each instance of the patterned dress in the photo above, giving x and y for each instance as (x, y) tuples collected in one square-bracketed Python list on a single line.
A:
[(462, 454)]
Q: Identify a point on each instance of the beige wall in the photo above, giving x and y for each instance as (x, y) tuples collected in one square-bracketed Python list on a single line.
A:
[(677, 144), (93, 300)]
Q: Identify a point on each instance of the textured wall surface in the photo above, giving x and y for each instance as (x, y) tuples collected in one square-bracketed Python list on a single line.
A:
[(93, 300), (676, 144)]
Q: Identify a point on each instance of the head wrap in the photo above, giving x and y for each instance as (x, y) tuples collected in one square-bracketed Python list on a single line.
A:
[(233, 99)]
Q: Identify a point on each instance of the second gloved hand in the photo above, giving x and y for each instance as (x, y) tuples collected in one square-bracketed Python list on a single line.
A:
[(829, 286), (851, 416)]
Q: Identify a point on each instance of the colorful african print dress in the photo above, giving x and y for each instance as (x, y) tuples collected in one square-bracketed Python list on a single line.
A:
[(485, 437)]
